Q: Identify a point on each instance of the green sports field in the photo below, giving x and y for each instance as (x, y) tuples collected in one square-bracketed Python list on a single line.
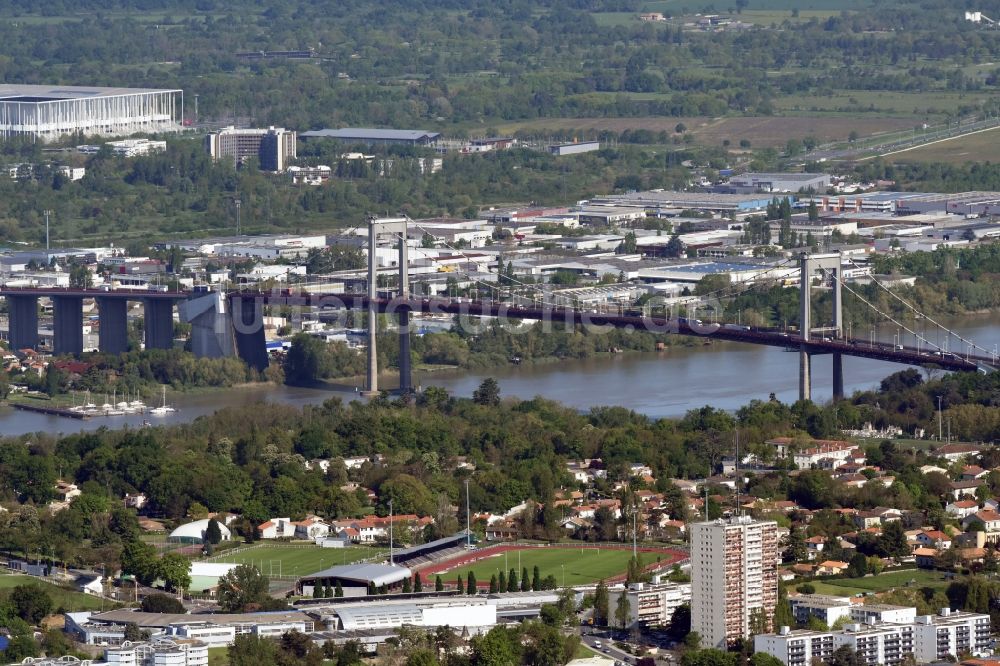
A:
[(295, 560), (580, 565)]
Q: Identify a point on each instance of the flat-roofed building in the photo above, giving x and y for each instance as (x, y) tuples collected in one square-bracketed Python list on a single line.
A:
[(950, 634), (356, 135), (48, 112), (796, 647), (780, 182), (827, 609), (273, 147)]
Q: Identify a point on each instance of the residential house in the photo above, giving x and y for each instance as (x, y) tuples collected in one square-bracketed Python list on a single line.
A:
[(501, 533), (962, 508), (877, 516), (960, 489), (276, 528), (925, 557), (934, 539), (831, 568), (136, 501), (986, 524), (955, 452), (66, 491), (311, 528), (814, 546), (974, 472)]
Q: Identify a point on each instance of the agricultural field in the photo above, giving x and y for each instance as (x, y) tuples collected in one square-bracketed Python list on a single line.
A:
[(288, 560), (881, 583), (69, 600), (581, 566), (920, 106), (978, 147)]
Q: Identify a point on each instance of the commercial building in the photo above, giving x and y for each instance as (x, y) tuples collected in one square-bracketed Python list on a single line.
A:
[(160, 652), (49, 112), (734, 578), (780, 182), (660, 203), (574, 148), (355, 135), (273, 147), (471, 613)]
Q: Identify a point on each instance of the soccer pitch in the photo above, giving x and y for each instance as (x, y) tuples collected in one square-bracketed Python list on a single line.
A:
[(294, 560), (580, 566)]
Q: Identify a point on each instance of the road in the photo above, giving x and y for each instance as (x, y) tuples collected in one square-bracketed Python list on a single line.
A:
[(607, 648)]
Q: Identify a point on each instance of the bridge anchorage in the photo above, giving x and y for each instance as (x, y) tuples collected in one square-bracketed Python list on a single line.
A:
[(232, 323)]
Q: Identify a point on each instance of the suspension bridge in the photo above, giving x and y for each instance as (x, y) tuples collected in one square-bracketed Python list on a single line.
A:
[(232, 322)]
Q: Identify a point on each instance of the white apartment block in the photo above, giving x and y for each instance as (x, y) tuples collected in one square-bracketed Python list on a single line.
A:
[(798, 647), (879, 644), (883, 613), (734, 577), (652, 605), (950, 634), (828, 609)]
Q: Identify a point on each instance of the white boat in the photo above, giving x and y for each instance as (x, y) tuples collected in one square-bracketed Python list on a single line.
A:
[(163, 409)]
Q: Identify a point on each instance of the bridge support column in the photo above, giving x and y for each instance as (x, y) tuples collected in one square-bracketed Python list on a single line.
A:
[(371, 385), (67, 327), (22, 320), (805, 375), (838, 376), (248, 322), (405, 374), (113, 335), (159, 323)]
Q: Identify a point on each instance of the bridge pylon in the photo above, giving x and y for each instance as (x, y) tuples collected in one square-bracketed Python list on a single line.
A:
[(829, 265), (397, 228)]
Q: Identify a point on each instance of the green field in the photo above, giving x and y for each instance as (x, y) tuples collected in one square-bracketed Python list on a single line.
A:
[(288, 560), (581, 565), (881, 583), (69, 600), (977, 147), (923, 105)]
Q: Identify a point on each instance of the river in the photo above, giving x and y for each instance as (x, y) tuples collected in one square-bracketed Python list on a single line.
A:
[(660, 384)]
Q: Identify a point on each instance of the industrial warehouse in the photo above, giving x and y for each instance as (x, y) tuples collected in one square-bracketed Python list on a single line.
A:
[(49, 112)]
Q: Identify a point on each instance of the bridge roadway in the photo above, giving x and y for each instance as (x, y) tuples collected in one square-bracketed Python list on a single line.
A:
[(861, 348)]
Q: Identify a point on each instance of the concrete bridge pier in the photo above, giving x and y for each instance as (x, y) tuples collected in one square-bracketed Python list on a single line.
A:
[(838, 376), (22, 319), (159, 323), (113, 335), (805, 375), (67, 327), (248, 324)]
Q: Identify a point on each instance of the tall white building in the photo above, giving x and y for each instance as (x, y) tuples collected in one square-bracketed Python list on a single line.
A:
[(159, 652), (734, 578), (950, 634)]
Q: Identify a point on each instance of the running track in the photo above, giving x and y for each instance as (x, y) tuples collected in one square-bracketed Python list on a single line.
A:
[(427, 572)]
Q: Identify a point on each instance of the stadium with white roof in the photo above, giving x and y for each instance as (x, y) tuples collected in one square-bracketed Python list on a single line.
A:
[(50, 112)]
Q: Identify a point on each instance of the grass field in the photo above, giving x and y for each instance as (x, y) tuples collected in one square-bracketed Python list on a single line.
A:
[(881, 583), (867, 102), (762, 131), (581, 565), (288, 560), (61, 598), (978, 147)]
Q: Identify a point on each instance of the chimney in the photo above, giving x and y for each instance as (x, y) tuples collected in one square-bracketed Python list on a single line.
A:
[(784, 631)]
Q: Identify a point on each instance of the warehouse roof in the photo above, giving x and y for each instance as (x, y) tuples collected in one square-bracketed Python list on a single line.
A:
[(145, 620), (371, 134)]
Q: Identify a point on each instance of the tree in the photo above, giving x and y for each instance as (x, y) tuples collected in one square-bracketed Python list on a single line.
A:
[(601, 605), (161, 603), (422, 657), (175, 570), (858, 566), (525, 584), (892, 542), (213, 534), (536, 578), (493, 584), (317, 591), (498, 647), (502, 582), (797, 550), (438, 584), (470, 584), (512, 581), (307, 360), (418, 583), (623, 611), (30, 602), (680, 622), (338, 591), (252, 650), (813, 211), (764, 659), (674, 247), (459, 585), (243, 587), (488, 393)]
